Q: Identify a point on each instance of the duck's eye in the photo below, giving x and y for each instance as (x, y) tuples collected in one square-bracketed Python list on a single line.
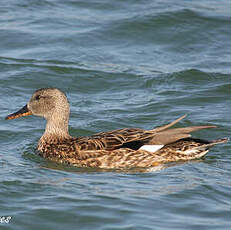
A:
[(37, 97)]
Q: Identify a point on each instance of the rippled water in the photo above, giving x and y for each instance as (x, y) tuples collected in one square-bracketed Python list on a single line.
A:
[(122, 64)]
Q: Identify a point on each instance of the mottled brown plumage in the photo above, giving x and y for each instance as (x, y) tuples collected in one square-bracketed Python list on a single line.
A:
[(114, 149)]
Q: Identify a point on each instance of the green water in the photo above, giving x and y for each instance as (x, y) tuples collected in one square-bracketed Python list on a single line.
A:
[(121, 64)]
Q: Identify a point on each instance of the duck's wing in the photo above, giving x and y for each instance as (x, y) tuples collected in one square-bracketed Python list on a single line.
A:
[(130, 137), (134, 138)]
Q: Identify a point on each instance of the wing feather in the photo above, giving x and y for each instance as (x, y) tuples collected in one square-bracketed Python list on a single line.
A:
[(134, 138)]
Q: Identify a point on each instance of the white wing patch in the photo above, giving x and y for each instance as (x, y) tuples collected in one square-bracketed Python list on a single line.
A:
[(151, 148)]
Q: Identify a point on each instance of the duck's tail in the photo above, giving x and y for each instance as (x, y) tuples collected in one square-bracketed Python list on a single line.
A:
[(210, 144), (203, 147), (218, 141)]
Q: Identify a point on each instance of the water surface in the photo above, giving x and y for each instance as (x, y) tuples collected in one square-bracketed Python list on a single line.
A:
[(122, 64)]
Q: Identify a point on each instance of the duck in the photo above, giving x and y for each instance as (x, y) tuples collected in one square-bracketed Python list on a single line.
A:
[(118, 149)]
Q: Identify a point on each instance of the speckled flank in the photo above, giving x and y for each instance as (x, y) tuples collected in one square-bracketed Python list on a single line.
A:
[(114, 149), (70, 152)]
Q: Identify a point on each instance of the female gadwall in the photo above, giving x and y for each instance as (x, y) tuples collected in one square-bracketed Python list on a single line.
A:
[(123, 148)]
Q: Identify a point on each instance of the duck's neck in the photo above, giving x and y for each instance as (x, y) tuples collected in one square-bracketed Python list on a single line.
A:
[(56, 127)]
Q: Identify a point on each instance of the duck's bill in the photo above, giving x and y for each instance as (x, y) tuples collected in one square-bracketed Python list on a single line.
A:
[(21, 113)]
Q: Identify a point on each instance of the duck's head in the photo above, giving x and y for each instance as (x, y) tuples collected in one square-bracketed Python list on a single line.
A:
[(49, 103)]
